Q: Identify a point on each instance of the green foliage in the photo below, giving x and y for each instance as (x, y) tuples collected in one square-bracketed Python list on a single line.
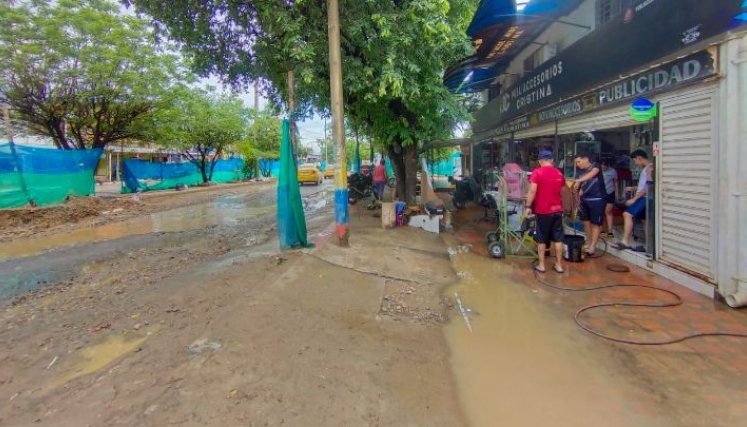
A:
[(394, 56), (202, 124), (80, 72)]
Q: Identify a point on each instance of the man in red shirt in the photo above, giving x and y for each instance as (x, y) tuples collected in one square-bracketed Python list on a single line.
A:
[(379, 180), (545, 194)]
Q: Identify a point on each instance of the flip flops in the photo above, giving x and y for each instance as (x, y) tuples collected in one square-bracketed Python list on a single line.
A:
[(622, 247), (557, 269), (537, 270)]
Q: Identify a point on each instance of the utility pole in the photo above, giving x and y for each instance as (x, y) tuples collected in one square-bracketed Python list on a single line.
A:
[(338, 126), (292, 108), (256, 97), (326, 160)]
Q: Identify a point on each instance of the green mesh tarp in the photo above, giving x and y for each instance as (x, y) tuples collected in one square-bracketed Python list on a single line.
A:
[(291, 219), (141, 175), (44, 176)]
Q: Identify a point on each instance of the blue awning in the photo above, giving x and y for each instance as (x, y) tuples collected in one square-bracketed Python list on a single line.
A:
[(465, 77), (499, 31), (490, 13)]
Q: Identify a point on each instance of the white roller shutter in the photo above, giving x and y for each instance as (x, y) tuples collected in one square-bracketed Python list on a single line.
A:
[(604, 119), (543, 130), (687, 193)]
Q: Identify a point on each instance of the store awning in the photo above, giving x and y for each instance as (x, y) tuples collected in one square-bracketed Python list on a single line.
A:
[(465, 77), (488, 14), (500, 30)]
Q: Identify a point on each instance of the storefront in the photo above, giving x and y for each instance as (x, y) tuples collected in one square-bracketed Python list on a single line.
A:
[(683, 75)]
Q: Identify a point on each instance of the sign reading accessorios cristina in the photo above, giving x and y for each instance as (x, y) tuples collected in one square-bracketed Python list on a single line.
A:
[(591, 62)]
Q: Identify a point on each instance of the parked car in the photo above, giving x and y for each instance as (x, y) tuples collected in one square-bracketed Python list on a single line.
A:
[(309, 173), (330, 171)]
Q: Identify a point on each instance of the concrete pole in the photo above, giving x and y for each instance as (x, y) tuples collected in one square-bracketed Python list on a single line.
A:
[(338, 129)]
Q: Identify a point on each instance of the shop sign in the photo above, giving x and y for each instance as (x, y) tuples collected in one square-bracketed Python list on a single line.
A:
[(691, 68), (643, 110), (665, 77), (616, 48), (514, 125)]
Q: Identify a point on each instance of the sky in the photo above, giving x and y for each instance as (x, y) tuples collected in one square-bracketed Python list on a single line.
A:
[(309, 130)]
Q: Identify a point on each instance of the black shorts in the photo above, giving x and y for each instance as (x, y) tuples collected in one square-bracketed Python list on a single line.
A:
[(592, 210), (549, 228), (610, 199)]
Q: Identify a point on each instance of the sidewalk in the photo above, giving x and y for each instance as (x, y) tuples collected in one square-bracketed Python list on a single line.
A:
[(528, 363)]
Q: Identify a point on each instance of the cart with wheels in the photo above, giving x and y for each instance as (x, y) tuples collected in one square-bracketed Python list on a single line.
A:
[(506, 240)]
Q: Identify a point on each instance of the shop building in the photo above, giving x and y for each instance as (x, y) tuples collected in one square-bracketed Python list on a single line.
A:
[(571, 74)]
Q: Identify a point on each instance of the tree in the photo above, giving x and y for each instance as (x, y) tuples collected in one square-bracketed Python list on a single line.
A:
[(80, 72), (394, 55), (262, 141), (201, 124)]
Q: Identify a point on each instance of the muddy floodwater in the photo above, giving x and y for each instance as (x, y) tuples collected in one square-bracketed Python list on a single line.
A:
[(224, 210), (523, 364)]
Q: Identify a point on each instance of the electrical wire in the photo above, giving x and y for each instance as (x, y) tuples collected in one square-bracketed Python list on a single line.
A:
[(678, 301)]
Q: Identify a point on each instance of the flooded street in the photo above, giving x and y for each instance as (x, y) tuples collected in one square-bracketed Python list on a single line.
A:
[(524, 365), (28, 263), (224, 210)]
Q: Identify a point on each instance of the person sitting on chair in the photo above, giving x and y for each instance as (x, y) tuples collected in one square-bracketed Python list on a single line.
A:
[(636, 205), (545, 193)]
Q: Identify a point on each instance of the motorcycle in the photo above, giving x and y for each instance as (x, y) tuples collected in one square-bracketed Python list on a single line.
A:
[(467, 190), (359, 187)]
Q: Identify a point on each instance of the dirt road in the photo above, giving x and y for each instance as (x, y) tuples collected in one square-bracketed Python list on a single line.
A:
[(179, 310)]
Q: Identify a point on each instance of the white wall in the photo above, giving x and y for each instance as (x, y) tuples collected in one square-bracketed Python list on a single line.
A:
[(732, 163), (561, 35)]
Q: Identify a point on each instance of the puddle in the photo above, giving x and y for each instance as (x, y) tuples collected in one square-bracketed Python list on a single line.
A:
[(224, 210), (518, 363), (100, 355)]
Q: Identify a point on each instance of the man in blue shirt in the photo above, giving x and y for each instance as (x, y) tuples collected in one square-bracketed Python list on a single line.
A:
[(636, 206), (590, 185)]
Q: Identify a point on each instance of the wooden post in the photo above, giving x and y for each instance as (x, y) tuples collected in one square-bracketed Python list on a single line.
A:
[(338, 128), (19, 165)]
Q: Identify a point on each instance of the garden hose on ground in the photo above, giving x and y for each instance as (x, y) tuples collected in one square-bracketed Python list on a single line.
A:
[(677, 302)]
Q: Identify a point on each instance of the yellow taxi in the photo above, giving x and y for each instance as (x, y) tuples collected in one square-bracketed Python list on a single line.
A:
[(330, 171), (309, 173)]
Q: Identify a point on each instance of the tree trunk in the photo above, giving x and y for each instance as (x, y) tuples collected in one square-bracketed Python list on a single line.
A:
[(405, 164)]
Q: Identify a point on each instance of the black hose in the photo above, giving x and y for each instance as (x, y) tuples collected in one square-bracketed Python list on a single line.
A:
[(678, 301)]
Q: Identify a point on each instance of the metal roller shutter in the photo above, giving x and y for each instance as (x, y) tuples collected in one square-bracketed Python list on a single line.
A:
[(687, 192), (544, 130), (604, 119)]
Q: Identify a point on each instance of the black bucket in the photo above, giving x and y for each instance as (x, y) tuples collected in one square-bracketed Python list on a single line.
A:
[(573, 248)]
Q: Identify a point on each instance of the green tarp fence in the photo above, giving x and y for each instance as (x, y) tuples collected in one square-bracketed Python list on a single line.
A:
[(44, 176), (290, 215), (141, 175)]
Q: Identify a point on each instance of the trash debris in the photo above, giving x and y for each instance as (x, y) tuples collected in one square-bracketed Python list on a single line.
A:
[(100, 326), (13, 397), (173, 309), (52, 362), (202, 345), (463, 312)]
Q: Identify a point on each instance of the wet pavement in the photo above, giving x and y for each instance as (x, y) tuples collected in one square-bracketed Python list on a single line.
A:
[(526, 363), (34, 262)]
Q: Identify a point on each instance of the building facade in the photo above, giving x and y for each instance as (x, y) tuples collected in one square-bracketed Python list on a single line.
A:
[(576, 75)]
